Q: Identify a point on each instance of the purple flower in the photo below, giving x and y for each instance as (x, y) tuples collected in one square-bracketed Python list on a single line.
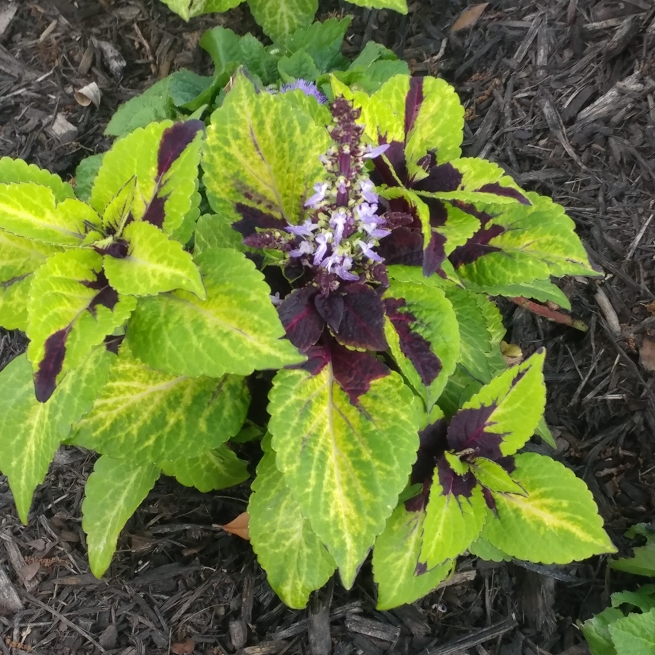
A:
[(305, 248), (321, 189), (338, 222), (366, 188), (372, 153), (322, 239), (367, 250), (304, 230), (308, 88)]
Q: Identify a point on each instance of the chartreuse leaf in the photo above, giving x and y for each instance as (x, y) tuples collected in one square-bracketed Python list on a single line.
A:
[(383, 113), (494, 477), (15, 171), (261, 150), (295, 560), (453, 521), (216, 469), (112, 494), (19, 258), (71, 309), (476, 174), (634, 634), (513, 403), (396, 5), (556, 522), (459, 227), (158, 164), (190, 8), (537, 242), (281, 18), (215, 231), (484, 550), (345, 463), (422, 331), (596, 631), (148, 415), (236, 329), (438, 125), (30, 210), (395, 561), (541, 290), (154, 264), (32, 431)]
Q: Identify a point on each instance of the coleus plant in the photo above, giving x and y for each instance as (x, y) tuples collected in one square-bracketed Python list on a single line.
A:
[(349, 256), (278, 19)]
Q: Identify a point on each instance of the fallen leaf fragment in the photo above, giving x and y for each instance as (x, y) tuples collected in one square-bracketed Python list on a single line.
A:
[(512, 354), (239, 526), (183, 647), (647, 354), (469, 17)]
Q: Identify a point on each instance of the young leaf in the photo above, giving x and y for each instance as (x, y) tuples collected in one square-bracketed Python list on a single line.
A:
[(319, 434), (154, 264), (295, 560), (71, 309), (258, 59), (454, 518), (216, 469), (112, 494), (556, 522), (30, 210), (32, 431), (223, 46), (423, 335), (150, 416), (159, 165), (236, 329), (299, 65), (395, 560), (19, 258), (150, 106), (643, 598), (634, 634), (15, 171), (281, 18), (503, 415), (262, 151), (642, 561)]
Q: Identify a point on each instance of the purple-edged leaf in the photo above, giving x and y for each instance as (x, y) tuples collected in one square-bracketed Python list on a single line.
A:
[(423, 335), (174, 142), (253, 218), (479, 244), (505, 192), (433, 444), (151, 174), (440, 178), (434, 255), (455, 515), (503, 415), (331, 308), (392, 166), (72, 308), (362, 325), (403, 246), (413, 102), (412, 344), (467, 432), (354, 371), (301, 320)]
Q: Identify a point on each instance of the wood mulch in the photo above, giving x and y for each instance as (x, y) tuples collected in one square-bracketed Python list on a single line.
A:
[(560, 93)]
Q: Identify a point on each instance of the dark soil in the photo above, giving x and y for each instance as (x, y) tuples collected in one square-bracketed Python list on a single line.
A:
[(560, 93)]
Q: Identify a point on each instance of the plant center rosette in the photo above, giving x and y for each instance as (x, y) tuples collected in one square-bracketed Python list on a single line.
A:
[(335, 276)]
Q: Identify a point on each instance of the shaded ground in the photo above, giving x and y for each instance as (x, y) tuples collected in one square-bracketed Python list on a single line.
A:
[(562, 94)]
